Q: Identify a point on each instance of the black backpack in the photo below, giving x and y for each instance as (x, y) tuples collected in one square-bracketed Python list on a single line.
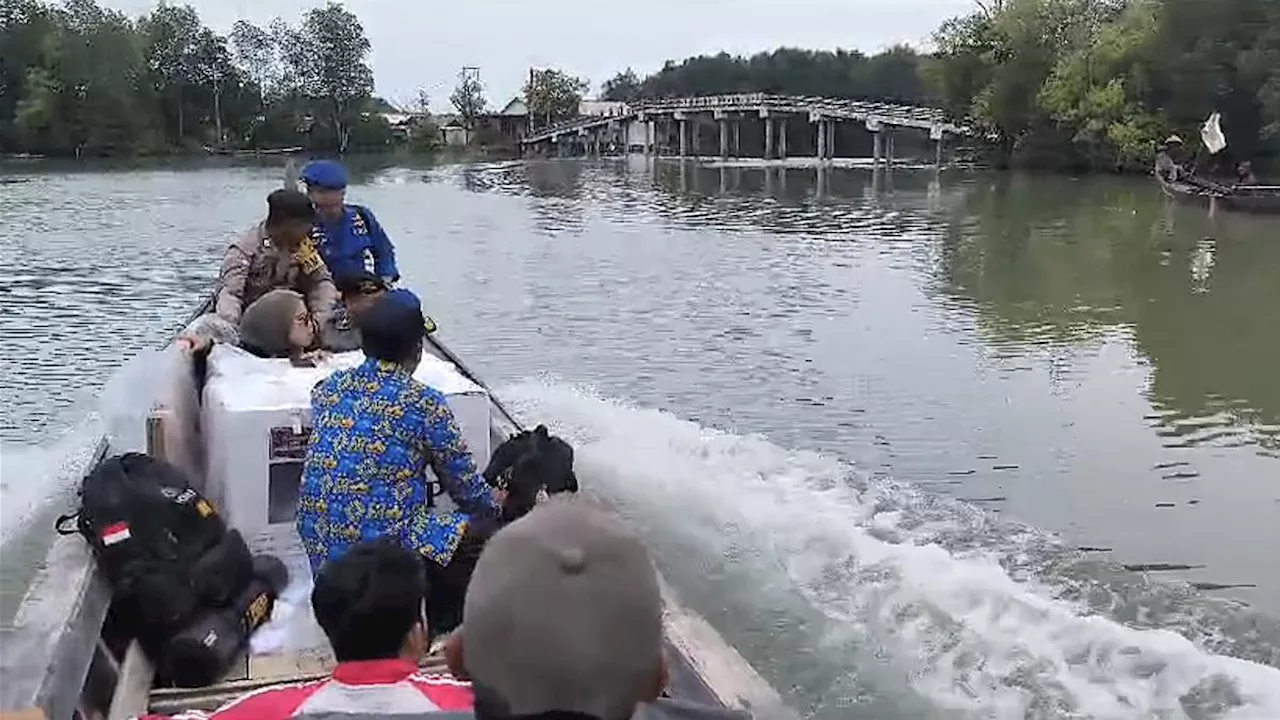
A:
[(160, 544)]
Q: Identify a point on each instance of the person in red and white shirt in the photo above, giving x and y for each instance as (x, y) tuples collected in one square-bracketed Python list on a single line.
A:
[(370, 603)]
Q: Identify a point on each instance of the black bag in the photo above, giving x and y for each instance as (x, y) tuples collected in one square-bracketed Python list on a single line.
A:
[(204, 650), (160, 544)]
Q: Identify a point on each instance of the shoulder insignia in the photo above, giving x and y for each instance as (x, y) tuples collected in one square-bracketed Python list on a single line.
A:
[(357, 221), (307, 257)]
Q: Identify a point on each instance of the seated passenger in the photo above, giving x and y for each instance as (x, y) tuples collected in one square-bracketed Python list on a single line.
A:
[(1168, 168), (276, 253), (369, 603), (376, 431), (1244, 174), (278, 325), (348, 236), (359, 290), (564, 619)]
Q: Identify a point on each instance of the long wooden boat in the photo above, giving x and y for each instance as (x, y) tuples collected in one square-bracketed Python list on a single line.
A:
[(61, 661), (1255, 199)]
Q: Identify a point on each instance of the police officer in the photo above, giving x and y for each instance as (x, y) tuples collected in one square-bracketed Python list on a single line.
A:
[(349, 236), (276, 253)]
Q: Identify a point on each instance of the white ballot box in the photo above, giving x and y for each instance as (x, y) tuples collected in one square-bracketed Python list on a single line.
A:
[(256, 418)]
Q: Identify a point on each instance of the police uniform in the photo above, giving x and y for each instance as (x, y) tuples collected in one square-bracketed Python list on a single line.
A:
[(253, 266), (355, 241)]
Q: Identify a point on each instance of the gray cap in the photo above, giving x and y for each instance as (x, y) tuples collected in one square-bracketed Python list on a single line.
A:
[(265, 324), (564, 613)]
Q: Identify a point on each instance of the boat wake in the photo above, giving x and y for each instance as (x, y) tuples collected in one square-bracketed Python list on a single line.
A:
[(37, 482), (867, 598)]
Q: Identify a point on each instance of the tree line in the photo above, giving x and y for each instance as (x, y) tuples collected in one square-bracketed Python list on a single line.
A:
[(78, 79), (1078, 84), (1069, 84)]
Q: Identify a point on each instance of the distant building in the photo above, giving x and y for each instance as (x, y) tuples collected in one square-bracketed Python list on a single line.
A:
[(510, 124), (452, 131)]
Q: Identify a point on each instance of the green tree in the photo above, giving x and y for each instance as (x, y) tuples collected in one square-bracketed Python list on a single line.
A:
[(552, 95), (469, 100), (171, 33), (424, 134), (623, 87), (893, 75), (80, 93), (255, 52), (327, 59)]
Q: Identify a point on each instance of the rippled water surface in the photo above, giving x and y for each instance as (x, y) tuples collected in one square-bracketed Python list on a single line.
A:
[(897, 437)]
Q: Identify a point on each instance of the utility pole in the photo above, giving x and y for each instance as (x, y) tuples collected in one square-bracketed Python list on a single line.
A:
[(528, 110)]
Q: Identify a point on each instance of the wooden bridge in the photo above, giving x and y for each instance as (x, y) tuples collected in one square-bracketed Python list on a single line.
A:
[(660, 126)]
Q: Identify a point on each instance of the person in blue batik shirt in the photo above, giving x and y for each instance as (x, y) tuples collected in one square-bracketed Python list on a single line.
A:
[(375, 432), (347, 235)]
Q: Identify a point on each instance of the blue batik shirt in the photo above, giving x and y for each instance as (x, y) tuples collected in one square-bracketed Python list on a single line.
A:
[(375, 432), (345, 243)]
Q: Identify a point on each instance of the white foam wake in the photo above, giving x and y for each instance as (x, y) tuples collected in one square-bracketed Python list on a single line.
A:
[(954, 627)]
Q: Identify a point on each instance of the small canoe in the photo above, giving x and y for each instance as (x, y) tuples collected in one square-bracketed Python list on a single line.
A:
[(61, 659), (1254, 199)]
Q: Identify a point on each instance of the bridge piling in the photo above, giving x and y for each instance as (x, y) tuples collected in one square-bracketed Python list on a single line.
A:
[(768, 136)]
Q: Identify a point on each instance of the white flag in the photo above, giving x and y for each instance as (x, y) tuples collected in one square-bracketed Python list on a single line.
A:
[(1211, 134)]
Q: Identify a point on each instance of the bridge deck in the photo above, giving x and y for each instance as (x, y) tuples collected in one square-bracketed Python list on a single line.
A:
[(924, 118)]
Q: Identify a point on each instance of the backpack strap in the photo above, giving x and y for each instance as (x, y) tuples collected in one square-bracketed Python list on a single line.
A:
[(60, 525)]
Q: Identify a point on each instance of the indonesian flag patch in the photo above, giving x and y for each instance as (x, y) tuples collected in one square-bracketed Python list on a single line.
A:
[(115, 533)]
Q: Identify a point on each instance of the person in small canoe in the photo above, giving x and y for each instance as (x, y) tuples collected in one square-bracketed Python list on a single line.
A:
[(276, 253), (376, 431), (347, 235), (1168, 161), (369, 603), (1244, 174)]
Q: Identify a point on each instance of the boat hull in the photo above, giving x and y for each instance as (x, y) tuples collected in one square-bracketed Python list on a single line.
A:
[(1252, 199), (59, 659)]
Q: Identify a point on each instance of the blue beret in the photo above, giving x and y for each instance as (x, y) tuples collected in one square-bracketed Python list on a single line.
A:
[(398, 313), (406, 298), (326, 174)]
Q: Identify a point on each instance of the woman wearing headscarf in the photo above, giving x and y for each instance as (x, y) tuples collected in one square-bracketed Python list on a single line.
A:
[(276, 325)]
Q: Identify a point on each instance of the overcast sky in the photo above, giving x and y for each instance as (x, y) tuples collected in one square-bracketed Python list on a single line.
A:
[(424, 43)]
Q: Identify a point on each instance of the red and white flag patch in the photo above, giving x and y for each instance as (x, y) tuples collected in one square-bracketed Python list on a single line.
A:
[(115, 533)]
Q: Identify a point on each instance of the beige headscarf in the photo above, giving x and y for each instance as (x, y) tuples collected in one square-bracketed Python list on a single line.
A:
[(265, 325)]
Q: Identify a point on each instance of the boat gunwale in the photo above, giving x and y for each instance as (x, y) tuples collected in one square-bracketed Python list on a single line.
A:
[(1245, 199)]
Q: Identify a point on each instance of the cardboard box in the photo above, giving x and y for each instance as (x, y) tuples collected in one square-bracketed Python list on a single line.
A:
[(257, 422)]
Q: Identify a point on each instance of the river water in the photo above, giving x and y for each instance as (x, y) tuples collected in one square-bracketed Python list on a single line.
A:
[(868, 423)]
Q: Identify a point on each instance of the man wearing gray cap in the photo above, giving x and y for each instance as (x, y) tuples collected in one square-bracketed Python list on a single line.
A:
[(563, 619)]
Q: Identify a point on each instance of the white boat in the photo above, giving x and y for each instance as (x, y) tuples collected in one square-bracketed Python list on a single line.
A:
[(60, 661)]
